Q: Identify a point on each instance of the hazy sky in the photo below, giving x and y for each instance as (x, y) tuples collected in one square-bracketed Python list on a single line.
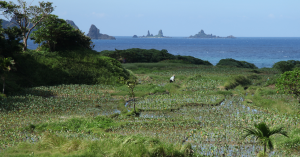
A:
[(251, 18)]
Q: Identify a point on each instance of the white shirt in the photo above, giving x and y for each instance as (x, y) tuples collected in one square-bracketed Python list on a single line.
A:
[(172, 78)]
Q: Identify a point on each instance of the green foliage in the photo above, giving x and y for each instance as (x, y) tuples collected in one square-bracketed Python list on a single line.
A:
[(289, 82), (136, 55), (237, 80), (235, 63), (262, 133), (284, 66), (22, 15), (254, 76), (75, 124), (56, 34), (174, 61), (133, 146), (293, 142), (66, 67), (9, 41)]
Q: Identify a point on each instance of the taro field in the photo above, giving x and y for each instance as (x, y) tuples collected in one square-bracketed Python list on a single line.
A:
[(194, 110)]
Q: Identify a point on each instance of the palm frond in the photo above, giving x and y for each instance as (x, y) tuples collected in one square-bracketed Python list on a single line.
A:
[(278, 131), (250, 132), (263, 128)]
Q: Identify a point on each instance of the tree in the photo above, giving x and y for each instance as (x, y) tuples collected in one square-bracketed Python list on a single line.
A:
[(262, 133), (9, 41), (131, 83), (284, 66), (56, 34), (23, 15), (289, 82)]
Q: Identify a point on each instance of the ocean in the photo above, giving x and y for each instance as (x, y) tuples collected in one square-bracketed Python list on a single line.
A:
[(261, 51)]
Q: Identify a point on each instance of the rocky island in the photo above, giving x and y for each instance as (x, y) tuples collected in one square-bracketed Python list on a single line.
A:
[(159, 35), (201, 34), (70, 22), (94, 33)]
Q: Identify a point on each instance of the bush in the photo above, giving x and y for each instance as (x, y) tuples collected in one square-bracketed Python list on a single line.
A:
[(289, 82), (136, 55), (284, 66), (65, 67), (235, 63)]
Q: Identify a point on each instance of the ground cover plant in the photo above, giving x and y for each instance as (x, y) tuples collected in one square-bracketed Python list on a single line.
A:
[(193, 116)]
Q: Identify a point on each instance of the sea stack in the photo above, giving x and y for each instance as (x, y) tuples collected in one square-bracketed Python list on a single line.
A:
[(94, 33), (70, 22)]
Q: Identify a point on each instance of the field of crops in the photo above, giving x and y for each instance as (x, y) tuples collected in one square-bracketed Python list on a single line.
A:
[(194, 109)]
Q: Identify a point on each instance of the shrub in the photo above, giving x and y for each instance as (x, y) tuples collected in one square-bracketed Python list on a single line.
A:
[(284, 66), (235, 63), (65, 67), (289, 82), (136, 55)]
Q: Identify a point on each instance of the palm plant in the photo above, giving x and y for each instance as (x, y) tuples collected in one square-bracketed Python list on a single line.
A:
[(262, 133)]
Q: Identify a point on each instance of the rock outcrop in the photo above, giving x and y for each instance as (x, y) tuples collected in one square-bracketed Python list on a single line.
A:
[(10, 23), (5, 23), (149, 35), (160, 34), (135, 36), (94, 33), (70, 22), (201, 34)]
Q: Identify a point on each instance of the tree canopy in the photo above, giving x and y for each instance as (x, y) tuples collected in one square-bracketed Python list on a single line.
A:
[(56, 34), (289, 82), (26, 17), (9, 41)]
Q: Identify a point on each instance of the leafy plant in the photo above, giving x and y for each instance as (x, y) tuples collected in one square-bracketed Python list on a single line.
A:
[(289, 82), (262, 133), (131, 83)]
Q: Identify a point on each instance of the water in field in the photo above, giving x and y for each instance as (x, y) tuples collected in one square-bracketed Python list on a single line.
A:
[(263, 52)]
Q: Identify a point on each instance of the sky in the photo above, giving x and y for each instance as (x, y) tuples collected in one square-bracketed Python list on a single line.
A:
[(182, 18)]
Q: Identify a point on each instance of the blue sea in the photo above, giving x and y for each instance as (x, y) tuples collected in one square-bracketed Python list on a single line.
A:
[(261, 51)]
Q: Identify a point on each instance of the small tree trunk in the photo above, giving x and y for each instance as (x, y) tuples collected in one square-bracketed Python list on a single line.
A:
[(25, 43), (133, 100), (265, 148)]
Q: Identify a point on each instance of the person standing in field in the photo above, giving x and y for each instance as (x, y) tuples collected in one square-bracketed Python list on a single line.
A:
[(172, 79)]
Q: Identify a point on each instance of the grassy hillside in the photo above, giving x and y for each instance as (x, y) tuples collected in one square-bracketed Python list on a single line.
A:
[(184, 118), (41, 68)]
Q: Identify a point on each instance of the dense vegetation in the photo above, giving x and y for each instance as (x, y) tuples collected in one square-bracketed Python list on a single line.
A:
[(80, 119), (54, 34), (235, 63), (136, 55), (284, 66), (44, 67)]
